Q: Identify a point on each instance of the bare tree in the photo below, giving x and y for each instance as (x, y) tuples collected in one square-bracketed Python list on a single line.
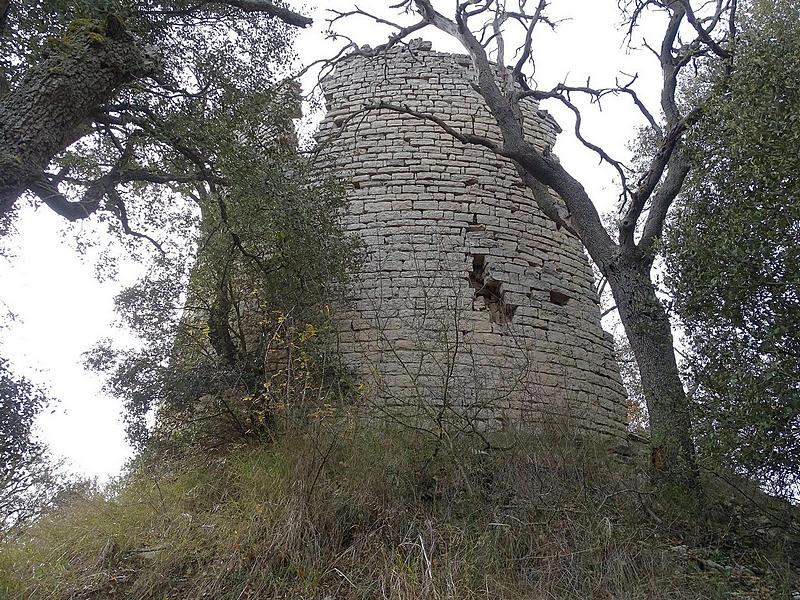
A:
[(486, 29)]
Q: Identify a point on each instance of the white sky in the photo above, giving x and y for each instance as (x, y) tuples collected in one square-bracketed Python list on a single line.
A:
[(63, 310)]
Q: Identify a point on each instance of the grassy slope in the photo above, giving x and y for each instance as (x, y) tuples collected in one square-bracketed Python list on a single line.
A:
[(344, 512)]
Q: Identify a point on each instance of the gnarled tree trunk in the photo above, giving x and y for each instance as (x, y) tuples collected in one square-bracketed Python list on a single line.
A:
[(43, 114), (647, 327)]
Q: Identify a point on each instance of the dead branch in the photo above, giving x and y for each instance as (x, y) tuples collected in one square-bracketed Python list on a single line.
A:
[(503, 89), (264, 6)]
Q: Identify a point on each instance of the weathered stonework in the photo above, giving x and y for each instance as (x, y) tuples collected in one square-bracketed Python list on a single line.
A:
[(471, 303)]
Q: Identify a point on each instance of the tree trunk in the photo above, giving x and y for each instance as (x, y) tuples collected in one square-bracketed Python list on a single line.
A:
[(648, 330), (4, 6), (40, 117)]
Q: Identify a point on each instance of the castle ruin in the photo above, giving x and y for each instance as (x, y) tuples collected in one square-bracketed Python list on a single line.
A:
[(471, 302)]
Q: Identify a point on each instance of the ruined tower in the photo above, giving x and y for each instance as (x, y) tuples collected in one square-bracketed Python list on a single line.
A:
[(471, 302)]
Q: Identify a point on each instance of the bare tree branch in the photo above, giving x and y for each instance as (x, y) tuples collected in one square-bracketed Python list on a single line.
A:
[(677, 171), (528, 43), (703, 32), (339, 15), (608, 311), (584, 219), (564, 99), (541, 194), (466, 138), (264, 6), (122, 214), (351, 49), (653, 175), (70, 210)]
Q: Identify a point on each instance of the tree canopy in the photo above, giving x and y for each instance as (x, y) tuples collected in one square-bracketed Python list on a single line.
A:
[(734, 253), (170, 121), (271, 255), (104, 103), (28, 476)]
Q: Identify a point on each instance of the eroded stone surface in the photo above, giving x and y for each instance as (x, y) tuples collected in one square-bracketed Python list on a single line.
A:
[(471, 302)]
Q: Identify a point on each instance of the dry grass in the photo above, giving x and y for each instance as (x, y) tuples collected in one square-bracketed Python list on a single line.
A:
[(343, 512)]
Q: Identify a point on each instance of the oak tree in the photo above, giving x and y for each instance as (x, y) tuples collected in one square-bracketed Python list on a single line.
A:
[(733, 253), (100, 99)]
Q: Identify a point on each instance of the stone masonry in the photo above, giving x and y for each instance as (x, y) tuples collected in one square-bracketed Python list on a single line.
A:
[(471, 304)]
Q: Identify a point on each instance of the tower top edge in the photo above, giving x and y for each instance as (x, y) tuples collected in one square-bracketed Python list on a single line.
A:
[(412, 47), (415, 50)]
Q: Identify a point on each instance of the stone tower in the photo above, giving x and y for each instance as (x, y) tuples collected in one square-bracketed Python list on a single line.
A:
[(470, 303)]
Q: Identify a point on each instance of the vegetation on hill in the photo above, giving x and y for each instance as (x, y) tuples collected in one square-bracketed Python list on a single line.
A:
[(341, 509)]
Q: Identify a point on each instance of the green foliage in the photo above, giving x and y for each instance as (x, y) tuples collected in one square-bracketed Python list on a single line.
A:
[(733, 255), (195, 164), (179, 25), (343, 510), (199, 160), (270, 255), (150, 141), (28, 477)]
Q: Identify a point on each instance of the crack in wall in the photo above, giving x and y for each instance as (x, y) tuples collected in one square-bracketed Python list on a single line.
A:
[(491, 291)]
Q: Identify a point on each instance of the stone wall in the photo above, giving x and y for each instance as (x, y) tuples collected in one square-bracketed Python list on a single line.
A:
[(471, 303)]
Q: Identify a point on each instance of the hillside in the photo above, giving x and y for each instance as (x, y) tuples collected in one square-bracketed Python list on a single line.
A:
[(340, 510)]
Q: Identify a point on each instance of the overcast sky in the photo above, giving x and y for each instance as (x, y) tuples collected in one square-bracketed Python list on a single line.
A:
[(62, 309)]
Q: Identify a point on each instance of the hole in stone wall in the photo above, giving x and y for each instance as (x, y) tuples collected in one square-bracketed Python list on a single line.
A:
[(499, 311), (475, 226), (558, 297)]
